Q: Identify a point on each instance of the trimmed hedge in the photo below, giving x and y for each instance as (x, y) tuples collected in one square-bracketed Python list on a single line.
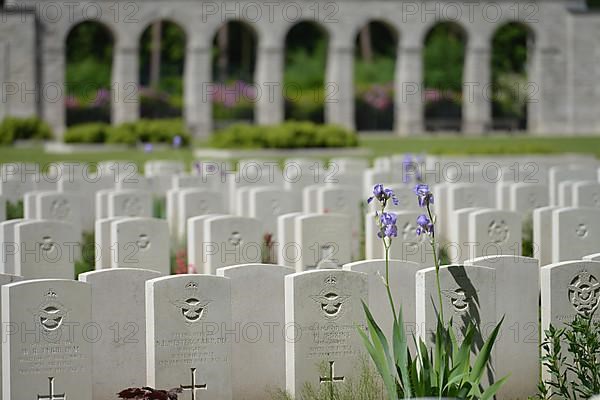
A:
[(131, 133), (289, 135), (13, 128)]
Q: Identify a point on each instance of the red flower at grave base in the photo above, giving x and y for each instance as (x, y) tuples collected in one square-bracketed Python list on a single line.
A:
[(148, 393)]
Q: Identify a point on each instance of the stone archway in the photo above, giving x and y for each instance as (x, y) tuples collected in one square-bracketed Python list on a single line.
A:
[(374, 68), (306, 47), (162, 51), (88, 73), (443, 69), (512, 50), (234, 94)]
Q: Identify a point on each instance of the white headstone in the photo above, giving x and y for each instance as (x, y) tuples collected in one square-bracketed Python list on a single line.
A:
[(526, 197), (407, 246), (568, 289), (401, 277), (46, 249), (495, 232), (288, 250), (325, 241), (586, 194), (187, 346), (468, 294), (575, 233), (559, 174), (262, 327), (266, 204), (141, 243), (592, 257), (517, 298), (118, 311), (105, 246), (231, 240), (47, 354), (324, 308), (196, 243), (542, 234), (9, 248), (129, 203), (60, 206)]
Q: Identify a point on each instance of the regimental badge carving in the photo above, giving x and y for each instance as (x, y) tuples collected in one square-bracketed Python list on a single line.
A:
[(584, 293), (60, 208), (132, 206), (143, 241), (326, 260), (581, 231), (533, 200), (459, 299), (340, 203), (193, 308), (51, 313), (498, 231), (47, 244), (469, 199), (203, 206), (330, 299), (235, 239), (275, 206)]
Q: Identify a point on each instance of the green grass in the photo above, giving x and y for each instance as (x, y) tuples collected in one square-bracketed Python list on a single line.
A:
[(379, 144), (496, 144)]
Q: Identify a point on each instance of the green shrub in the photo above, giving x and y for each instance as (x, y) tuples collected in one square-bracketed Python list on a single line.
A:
[(96, 132), (288, 135), (13, 128), (130, 133)]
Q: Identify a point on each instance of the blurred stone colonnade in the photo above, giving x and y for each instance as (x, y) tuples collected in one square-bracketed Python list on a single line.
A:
[(562, 72)]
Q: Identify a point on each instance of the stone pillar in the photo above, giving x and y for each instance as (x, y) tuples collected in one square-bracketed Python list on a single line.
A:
[(408, 85), (125, 90), (53, 91), (268, 78), (198, 89), (339, 87), (477, 91)]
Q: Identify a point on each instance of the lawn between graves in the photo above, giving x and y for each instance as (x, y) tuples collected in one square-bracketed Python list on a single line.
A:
[(379, 144)]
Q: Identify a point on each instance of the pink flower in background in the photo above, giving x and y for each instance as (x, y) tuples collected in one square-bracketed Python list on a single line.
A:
[(378, 97), (102, 98), (72, 102), (232, 94), (432, 95)]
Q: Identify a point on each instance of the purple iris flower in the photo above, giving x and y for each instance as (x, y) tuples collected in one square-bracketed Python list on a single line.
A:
[(177, 141), (383, 194), (424, 195), (424, 225), (388, 225)]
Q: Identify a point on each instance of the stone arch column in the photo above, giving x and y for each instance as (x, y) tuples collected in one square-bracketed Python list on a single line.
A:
[(339, 85), (125, 85), (198, 88), (268, 78), (53, 88), (408, 85), (477, 102)]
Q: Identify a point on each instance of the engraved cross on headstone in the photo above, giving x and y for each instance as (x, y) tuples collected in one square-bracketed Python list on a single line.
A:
[(194, 387), (331, 378), (51, 395)]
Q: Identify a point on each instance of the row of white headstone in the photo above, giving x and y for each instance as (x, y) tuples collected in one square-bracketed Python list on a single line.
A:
[(253, 329), (316, 225), (472, 219)]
